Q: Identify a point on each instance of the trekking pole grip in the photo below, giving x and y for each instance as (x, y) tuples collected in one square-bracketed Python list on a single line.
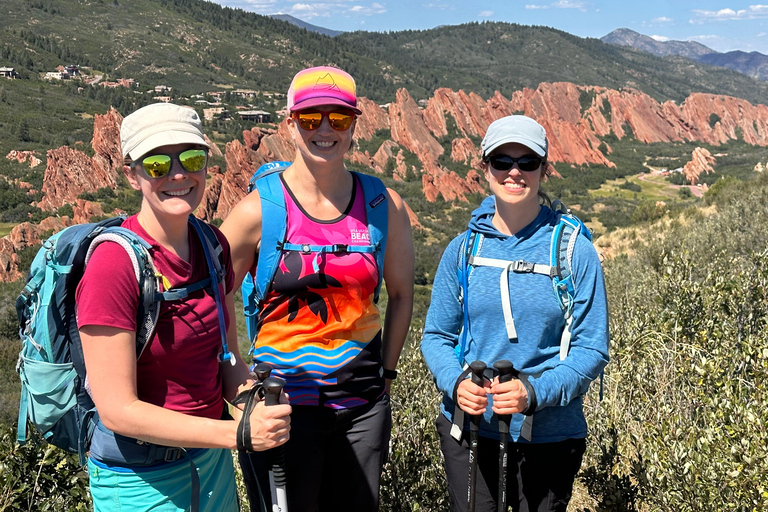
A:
[(262, 372), (506, 372), (477, 367)]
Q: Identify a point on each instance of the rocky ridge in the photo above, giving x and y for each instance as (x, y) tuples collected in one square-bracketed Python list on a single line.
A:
[(575, 117)]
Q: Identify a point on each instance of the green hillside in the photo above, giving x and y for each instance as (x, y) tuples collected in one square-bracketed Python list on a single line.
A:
[(196, 46)]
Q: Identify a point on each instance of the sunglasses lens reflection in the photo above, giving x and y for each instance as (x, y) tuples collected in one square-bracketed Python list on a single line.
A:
[(310, 120), (193, 160), (340, 121), (156, 166)]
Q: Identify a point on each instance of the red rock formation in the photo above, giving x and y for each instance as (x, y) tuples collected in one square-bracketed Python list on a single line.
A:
[(436, 180), (464, 150), (84, 210), (372, 119), (702, 161), (22, 236), (409, 129), (414, 220), (215, 151), (210, 202), (25, 156), (70, 172), (106, 142)]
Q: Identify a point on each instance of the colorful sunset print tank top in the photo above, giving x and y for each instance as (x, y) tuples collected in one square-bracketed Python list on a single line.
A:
[(320, 329)]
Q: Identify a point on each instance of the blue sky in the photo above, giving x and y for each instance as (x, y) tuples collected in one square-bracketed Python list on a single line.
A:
[(723, 25)]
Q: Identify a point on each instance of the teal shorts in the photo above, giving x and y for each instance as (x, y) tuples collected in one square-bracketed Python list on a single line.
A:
[(165, 488)]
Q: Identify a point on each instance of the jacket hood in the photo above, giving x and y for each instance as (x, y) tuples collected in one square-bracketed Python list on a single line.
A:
[(482, 220)]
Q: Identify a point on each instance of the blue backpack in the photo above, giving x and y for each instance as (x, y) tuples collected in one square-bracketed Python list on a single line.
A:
[(267, 180), (558, 268), (54, 390), (563, 241)]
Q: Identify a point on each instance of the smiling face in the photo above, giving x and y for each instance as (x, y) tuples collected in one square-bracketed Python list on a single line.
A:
[(515, 187), (176, 194), (323, 145)]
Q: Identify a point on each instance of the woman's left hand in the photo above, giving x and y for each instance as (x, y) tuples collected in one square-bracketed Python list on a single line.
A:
[(509, 397)]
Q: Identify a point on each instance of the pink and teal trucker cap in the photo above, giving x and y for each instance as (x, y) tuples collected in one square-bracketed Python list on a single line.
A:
[(323, 85)]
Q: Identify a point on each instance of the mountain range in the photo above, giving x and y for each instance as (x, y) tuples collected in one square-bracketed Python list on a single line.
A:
[(753, 64), (308, 26), (196, 46)]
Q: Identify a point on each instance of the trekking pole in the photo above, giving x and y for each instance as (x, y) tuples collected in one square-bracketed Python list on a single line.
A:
[(506, 372), (273, 387), (477, 367), (261, 372)]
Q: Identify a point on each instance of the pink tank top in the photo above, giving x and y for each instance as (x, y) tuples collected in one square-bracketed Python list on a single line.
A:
[(320, 329)]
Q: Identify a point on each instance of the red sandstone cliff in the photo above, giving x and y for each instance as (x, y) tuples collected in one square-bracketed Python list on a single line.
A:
[(70, 172), (702, 162)]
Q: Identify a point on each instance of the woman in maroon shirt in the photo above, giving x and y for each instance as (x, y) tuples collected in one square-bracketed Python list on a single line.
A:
[(168, 405)]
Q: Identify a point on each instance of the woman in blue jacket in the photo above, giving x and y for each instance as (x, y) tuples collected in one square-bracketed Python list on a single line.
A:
[(514, 315)]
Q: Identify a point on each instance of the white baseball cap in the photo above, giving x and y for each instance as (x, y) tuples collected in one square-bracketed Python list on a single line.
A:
[(160, 124), (520, 129)]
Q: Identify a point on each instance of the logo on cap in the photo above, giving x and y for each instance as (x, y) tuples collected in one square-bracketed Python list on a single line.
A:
[(326, 83)]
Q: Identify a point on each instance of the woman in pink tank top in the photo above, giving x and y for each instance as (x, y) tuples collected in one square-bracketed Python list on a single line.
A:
[(319, 325)]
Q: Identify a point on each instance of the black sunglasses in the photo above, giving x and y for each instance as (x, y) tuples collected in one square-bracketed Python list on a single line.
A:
[(526, 163), (157, 166)]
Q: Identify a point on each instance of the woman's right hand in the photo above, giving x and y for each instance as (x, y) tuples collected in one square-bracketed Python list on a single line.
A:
[(270, 426), (472, 398)]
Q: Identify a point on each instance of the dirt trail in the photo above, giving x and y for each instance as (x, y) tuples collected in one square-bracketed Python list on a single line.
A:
[(696, 191)]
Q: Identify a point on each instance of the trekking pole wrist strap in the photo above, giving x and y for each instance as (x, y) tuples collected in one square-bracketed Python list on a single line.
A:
[(532, 403), (388, 374)]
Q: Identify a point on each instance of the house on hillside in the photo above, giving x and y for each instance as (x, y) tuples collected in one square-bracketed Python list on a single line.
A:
[(162, 89), (72, 70), (56, 75), (256, 116), (210, 113), (244, 93), (8, 73)]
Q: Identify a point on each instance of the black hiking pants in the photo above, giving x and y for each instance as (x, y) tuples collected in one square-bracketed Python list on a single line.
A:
[(539, 475)]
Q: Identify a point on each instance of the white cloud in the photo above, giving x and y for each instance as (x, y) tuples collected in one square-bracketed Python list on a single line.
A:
[(485, 14), (661, 39), (562, 4), (570, 4), (750, 13), (661, 19)]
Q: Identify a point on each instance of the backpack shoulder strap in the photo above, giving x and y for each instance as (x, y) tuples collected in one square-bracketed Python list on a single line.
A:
[(467, 250), (272, 232), (564, 236), (204, 232), (267, 180), (377, 217)]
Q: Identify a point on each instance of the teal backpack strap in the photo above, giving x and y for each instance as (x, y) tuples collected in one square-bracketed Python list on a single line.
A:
[(377, 216)]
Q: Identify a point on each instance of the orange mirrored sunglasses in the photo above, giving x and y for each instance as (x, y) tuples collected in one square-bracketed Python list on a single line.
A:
[(339, 121)]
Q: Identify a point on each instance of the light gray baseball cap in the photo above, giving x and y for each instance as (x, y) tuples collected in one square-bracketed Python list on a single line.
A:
[(520, 129), (160, 124)]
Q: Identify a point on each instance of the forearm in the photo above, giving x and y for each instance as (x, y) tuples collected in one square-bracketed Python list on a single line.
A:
[(396, 323), (154, 424)]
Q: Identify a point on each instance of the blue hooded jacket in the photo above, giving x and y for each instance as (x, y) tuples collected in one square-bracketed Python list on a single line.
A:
[(558, 385)]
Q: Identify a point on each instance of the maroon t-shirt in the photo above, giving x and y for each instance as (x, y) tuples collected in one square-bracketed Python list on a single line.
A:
[(179, 369)]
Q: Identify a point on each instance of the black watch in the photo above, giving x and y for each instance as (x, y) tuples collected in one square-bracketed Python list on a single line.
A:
[(389, 374)]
